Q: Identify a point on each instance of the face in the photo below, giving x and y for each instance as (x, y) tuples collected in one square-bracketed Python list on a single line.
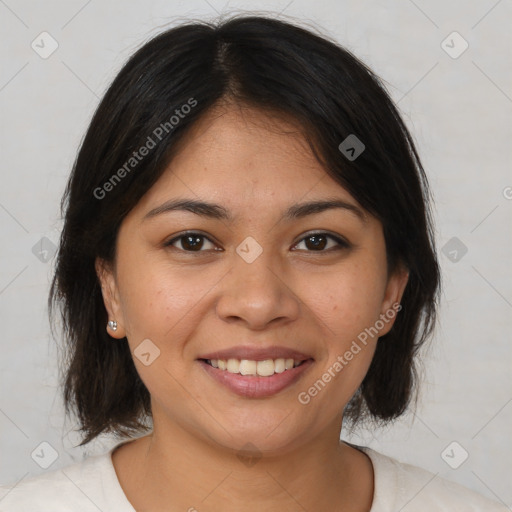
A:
[(254, 279)]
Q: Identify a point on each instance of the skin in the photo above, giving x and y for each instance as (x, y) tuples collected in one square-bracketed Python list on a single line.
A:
[(294, 295)]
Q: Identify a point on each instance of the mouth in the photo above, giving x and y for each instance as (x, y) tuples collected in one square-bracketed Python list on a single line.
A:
[(254, 373), (248, 367)]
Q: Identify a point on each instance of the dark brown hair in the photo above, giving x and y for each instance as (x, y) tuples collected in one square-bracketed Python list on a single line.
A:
[(267, 64)]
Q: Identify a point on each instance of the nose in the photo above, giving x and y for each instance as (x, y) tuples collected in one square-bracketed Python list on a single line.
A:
[(257, 294)]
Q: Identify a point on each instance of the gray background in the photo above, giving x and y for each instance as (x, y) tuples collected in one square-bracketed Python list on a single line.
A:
[(459, 111)]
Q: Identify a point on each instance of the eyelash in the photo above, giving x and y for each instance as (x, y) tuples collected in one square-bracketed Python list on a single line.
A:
[(342, 244)]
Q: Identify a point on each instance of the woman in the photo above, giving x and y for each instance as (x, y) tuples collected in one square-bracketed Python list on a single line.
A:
[(247, 262)]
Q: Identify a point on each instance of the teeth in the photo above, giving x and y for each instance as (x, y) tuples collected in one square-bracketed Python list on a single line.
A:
[(279, 365), (233, 366), (247, 367), (264, 368)]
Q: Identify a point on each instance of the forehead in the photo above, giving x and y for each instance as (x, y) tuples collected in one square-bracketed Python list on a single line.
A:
[(241, 156)]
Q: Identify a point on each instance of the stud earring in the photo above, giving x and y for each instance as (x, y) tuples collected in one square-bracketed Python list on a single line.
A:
[(112, 324)]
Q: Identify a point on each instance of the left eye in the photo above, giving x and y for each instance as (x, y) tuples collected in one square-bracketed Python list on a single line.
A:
[(319, 241)]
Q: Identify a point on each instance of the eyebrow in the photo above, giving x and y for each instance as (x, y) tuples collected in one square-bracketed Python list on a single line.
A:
[(218, 212)]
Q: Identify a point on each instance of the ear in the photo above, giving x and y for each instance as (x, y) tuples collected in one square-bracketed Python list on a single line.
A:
[(110, 292), (395, 287)]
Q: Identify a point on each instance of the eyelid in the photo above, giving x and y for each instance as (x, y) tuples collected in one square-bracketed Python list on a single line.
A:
[(340, 240), (177, 237)]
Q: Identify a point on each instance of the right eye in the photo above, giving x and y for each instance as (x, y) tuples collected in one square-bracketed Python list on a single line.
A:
[(190, 242)]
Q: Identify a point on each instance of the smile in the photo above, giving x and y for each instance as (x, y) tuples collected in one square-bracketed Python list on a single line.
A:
[(255, 379), (265, 368)]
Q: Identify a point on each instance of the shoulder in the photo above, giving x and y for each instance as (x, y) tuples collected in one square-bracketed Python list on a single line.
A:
[(401, 486), (90, 485)]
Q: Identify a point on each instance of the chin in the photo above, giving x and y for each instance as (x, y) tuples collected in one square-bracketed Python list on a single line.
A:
[(271, 435)]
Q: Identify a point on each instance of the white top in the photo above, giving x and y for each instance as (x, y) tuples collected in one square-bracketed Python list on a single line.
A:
[(92, 485)]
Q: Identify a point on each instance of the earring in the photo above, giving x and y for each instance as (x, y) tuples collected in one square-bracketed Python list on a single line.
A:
[(112, 324)]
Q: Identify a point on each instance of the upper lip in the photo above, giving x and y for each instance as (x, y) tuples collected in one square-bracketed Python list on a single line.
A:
[(256, 353)]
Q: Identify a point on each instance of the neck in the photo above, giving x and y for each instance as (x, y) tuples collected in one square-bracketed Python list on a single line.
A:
[(172, 469)]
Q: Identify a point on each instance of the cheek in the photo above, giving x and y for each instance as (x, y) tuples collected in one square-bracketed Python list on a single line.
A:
[(161, 306), (161, 302), (348, 301)]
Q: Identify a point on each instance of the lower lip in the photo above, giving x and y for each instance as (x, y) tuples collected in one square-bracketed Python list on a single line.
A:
[(253, 386)]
